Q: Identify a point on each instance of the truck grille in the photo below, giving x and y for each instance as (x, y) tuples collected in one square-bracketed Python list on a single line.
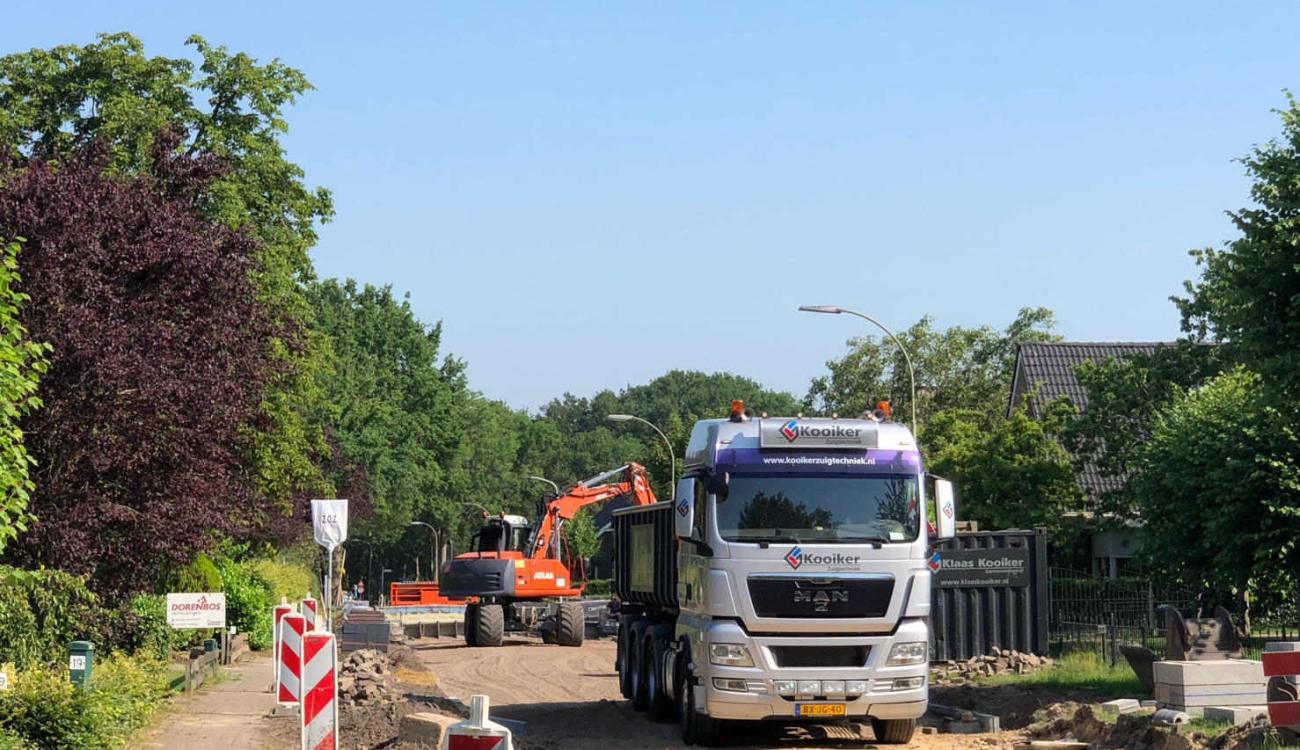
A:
[(775, 596), (820, 656)]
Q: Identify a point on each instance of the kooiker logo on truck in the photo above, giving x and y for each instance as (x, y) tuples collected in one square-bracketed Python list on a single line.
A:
[(793, 431), (795, 557)]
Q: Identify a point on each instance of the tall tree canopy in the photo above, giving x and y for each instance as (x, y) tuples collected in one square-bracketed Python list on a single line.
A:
[(394, 407), (228, 105), (1249, 292), (955, 368), (159, 357)]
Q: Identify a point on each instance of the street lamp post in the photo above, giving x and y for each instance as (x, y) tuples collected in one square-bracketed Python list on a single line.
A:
[(911, 374), (433, 547), (672, 460), (370, 547), (555, 486), (382, 576)]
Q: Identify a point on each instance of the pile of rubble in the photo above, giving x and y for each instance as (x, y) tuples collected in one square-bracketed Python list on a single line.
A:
[(366, 679), (1001, 661)]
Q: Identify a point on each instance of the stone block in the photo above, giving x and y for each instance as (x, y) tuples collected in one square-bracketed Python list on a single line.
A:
[(1227, 671), (1236, 714), (1183, 697), (1121, 706), (1149, 704), (425, 729), (1278, 646)]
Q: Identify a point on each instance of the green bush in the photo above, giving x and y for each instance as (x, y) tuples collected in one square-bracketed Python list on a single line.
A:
[(198, 577), (598, 588), (248, 602), (142, 627), (13, 742), (44, 711), (284, 579), (41, 612)]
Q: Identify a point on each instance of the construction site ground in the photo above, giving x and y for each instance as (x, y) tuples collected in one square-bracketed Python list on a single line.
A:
[(567, 699)]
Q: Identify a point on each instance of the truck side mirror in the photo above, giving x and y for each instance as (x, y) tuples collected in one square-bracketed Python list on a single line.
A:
[(684, 509), (718, 485), (945, 509)]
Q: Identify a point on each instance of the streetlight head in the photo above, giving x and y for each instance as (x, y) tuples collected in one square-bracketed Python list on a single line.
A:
[(821, 309), (620, 417)]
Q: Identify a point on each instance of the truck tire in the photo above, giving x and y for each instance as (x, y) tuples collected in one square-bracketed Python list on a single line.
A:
[(491, 622), (635, 668), (659, 699), (623, 655), (696, 728), (571, 624), (471, 625), (893, 731)]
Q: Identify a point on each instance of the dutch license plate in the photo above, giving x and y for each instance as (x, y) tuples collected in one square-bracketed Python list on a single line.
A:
[(819, 709)]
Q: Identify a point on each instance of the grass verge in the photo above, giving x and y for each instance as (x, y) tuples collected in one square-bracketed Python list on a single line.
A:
[(1078, 671)]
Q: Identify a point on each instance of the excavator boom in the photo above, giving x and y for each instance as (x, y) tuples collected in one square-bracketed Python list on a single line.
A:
[(582, 494)]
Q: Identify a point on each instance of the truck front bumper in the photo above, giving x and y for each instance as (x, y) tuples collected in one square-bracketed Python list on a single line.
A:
[(882, 698)]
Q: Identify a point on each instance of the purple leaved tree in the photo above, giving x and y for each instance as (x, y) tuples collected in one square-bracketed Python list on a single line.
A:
[(159, 357)]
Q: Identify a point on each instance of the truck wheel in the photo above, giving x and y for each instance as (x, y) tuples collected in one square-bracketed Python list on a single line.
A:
[(893, 731), (471, 625), (491, 623), (636, 667), (624, 654), (571, 624), (658, 699), (696, 728)]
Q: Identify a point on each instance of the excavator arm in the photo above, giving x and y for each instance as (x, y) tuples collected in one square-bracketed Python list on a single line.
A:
[(589, 492)]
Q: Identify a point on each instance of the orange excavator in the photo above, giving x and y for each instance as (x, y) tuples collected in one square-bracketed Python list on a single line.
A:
[(518, 573)]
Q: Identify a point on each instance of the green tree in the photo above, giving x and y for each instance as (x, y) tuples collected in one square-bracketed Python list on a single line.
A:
[(1248, 294), (956, 368), (395, 408), (21, 361), (230, 106), (1218, 488), (1011, 471)]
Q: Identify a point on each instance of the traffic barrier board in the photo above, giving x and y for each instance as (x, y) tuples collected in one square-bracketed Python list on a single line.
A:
[(320, 709), (309, 611), (277, 613), (290, 680)]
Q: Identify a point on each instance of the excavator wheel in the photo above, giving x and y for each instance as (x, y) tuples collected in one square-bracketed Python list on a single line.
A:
[(471, 625), (491, 622), (548, 635), (571, 624)]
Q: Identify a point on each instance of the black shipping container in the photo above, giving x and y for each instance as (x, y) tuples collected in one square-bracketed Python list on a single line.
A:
[(990, 588)]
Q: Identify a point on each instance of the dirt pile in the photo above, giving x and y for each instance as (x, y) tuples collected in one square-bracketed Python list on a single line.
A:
[(1001, 661), (1067, 722)]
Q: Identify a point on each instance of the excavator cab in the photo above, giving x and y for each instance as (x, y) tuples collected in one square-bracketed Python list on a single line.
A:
[(502, 534)]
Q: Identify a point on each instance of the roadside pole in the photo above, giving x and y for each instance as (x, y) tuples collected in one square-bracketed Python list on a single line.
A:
[(330, 527)]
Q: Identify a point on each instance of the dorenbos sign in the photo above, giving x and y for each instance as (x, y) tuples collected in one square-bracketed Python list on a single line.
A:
[(1008, 566), (196, 610)]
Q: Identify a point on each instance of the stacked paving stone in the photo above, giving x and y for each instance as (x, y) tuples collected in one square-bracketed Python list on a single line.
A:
[(364, 679), (1000, 661)]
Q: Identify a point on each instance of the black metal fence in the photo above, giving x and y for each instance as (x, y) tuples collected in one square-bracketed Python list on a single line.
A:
[(1100, 615)]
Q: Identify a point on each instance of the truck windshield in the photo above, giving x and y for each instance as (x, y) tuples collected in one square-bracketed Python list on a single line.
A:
[(824, 509)]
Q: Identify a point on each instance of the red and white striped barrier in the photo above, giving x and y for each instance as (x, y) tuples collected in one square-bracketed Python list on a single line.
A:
[(292, 627), (277, 613), (320, 709), (1283, 706), (309, 611), (479, 732)]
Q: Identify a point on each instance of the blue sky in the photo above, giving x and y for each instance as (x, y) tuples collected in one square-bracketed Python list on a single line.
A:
[(588, 194)]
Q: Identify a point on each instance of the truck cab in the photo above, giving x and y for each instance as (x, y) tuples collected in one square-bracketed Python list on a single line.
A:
[(801, 586)]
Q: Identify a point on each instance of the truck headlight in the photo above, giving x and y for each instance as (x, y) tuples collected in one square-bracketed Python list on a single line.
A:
[(729, 655), (903, 654)]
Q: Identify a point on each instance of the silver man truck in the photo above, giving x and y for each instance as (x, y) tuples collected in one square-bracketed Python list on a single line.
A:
[(786, 580)]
